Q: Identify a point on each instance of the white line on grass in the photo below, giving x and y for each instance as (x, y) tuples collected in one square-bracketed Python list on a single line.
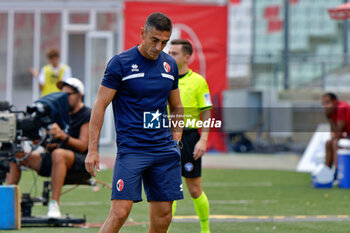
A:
[(84, 203), (231, 184), (242, 202)]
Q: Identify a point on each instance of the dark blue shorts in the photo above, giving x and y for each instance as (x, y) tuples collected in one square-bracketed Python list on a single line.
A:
[(160, 173)]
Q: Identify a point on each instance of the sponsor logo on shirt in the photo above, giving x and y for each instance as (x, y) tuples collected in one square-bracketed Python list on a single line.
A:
[(151, 120), (166, 67), (134, 68), (120, 185)]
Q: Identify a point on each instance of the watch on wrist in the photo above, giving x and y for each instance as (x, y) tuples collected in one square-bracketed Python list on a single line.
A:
[(66, 140), (179, 144)]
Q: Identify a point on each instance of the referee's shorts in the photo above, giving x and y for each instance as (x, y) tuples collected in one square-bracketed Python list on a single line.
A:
[(190, 168)]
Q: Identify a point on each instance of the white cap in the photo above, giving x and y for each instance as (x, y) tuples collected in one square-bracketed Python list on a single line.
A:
[(73, 82)]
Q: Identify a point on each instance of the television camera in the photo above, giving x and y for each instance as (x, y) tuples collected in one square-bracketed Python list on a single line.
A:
[(18, 129)]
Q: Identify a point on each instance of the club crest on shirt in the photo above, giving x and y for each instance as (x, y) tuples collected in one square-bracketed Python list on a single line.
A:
[(120, 185), (166, 67), (188, 167)]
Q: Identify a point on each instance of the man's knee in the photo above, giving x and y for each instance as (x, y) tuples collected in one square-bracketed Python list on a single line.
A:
[(167, 216), (57, 156), (329, 143), (334, 144), (61, 156), (33, 161), (162, 216), (119, 214), (194, 187)]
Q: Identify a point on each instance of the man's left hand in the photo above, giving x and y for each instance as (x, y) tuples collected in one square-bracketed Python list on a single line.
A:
[(199, 149), (56, 132)]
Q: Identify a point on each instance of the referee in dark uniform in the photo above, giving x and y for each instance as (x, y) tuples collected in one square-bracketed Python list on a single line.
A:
[(195, 98)]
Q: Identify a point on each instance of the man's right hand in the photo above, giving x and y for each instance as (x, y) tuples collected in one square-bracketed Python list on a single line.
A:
[(92, 161), (34, 72)]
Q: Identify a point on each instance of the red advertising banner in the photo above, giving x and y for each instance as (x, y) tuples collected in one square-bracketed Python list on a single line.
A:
[(205, 26)]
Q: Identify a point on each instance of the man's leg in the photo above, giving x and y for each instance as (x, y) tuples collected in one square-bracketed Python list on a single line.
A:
[(14, 175), (33, 162), (329, 153), (334, 150), (62, 161), (118, 214), (200, 202), (160, 216)]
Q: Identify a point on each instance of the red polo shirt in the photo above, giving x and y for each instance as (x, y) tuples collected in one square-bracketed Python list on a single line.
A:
[(342, 114)]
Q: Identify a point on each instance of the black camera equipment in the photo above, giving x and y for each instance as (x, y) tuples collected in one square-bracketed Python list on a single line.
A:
[(17, 127)]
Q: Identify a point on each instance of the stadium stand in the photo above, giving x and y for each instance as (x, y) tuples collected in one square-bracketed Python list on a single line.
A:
[(314, 41)]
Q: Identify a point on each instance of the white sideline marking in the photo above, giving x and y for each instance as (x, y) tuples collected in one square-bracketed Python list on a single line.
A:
[(264, 218), (230, 184), (82, 203), (243, 202)]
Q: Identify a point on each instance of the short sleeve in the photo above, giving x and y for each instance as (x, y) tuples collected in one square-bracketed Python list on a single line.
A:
[(113, 74), (87, 115), (203, 96), (67, 73), (176, 78), (41, 78), (342, 113)]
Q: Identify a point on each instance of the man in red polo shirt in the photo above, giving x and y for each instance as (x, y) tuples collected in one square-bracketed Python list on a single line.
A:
[(338, 115)]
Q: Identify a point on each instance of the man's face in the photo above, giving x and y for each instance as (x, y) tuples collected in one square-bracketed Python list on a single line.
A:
[(175, 50), (329, 105), (153, 42), (73, 97)]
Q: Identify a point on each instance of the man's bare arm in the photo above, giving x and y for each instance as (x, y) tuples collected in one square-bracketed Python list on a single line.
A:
[(104, 96), (81, 143), (201, 146), (176, 110)]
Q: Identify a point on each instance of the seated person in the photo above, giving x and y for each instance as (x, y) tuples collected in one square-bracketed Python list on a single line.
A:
[(338, 115), (68, 157)]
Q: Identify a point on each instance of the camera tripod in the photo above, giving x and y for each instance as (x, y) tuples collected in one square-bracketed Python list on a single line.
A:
[(28, 220)]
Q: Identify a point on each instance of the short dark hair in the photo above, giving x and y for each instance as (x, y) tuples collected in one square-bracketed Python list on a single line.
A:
[(159, 21), (52, 53), (331, 95), (186, 45)]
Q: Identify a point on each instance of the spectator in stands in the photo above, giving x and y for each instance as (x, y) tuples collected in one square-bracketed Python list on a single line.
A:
[(52, 73), (65, 159), (338, 115)]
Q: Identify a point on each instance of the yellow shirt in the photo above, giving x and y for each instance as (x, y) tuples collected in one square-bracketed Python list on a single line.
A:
[(195, 96), (51, 79)]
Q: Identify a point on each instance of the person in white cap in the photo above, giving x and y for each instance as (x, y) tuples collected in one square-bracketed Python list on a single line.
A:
[(64, 160)]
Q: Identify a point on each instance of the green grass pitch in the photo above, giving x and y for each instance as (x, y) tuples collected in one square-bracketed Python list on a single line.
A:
[(230, 192)]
